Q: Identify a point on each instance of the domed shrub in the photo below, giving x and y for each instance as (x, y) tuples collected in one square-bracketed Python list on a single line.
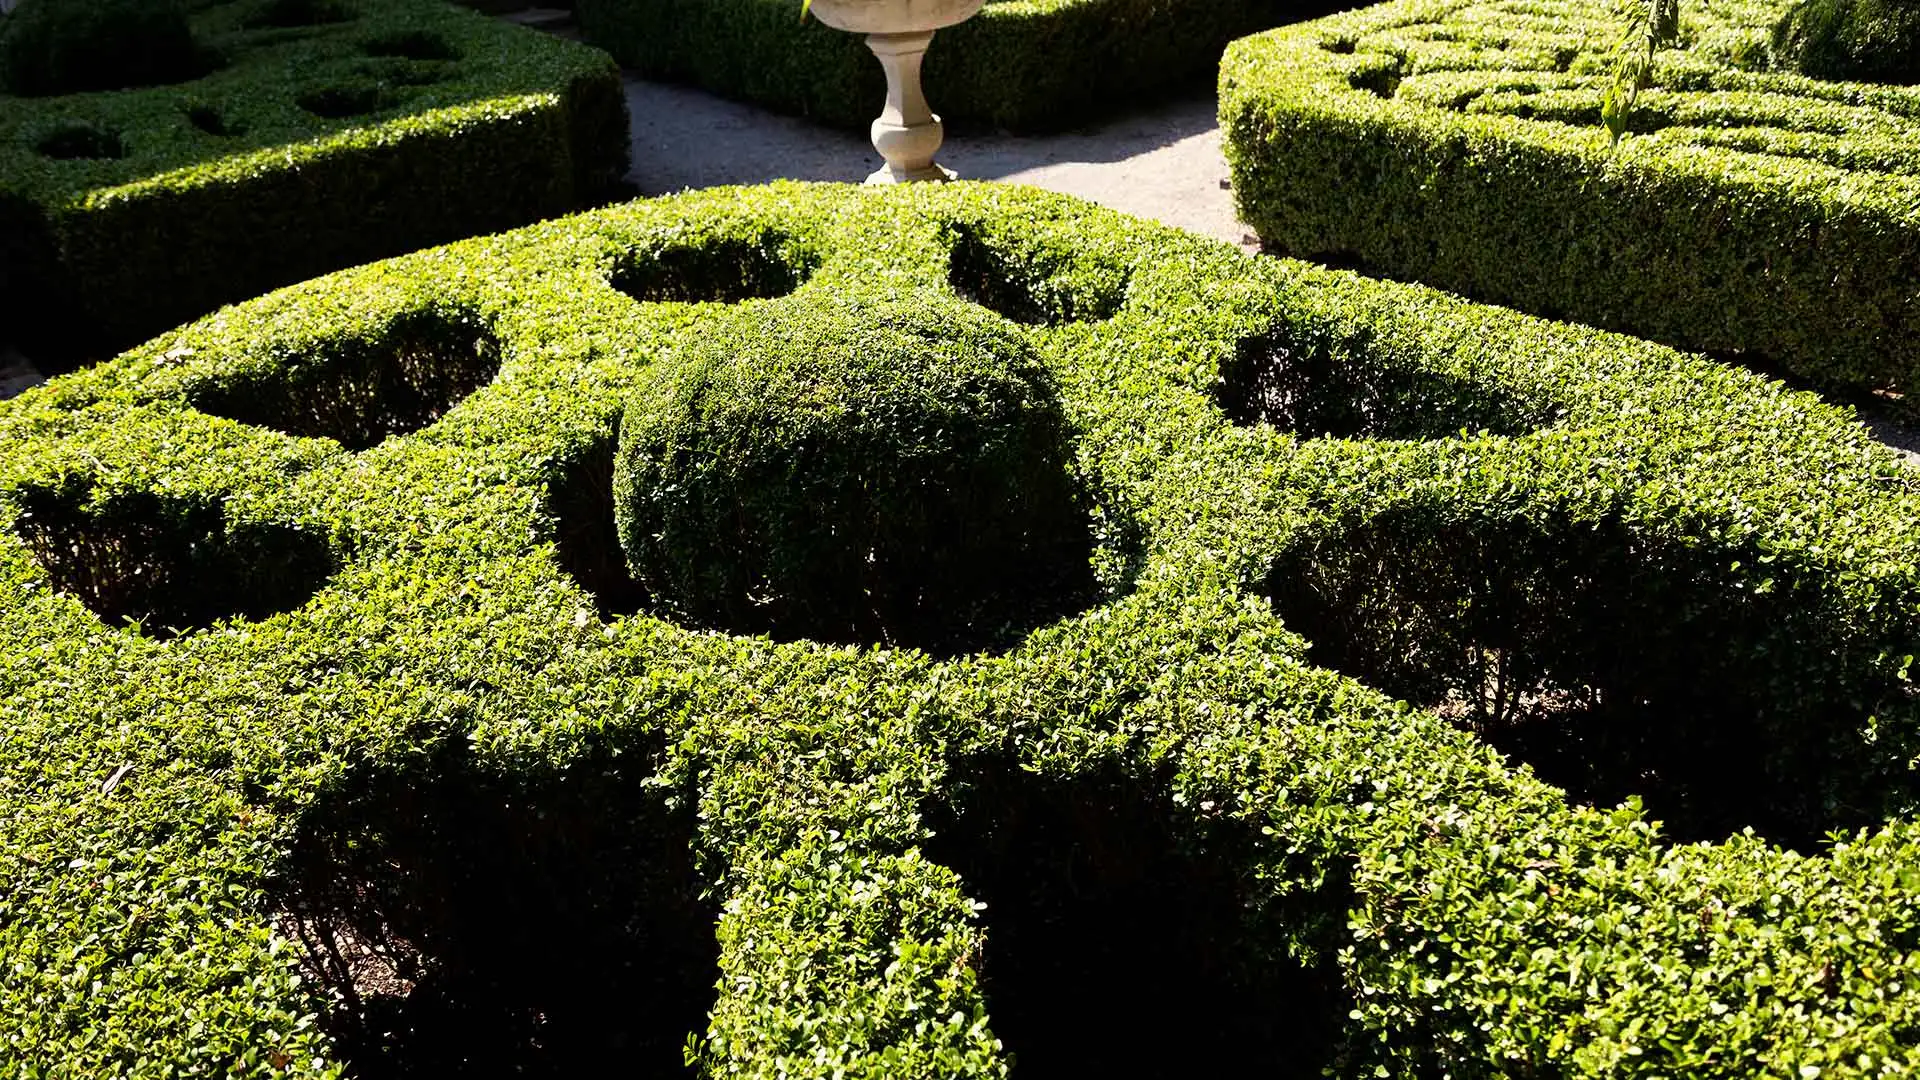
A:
[(70, 46), (1860, 40), (854, 471)]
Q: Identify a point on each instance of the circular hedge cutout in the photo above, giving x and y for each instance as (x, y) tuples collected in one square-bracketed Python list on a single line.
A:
[(1858, 40), (70, 46), (890, 470)]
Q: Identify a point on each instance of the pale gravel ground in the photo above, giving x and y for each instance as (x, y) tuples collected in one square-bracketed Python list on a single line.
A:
[(17, 373), (1164, 163)]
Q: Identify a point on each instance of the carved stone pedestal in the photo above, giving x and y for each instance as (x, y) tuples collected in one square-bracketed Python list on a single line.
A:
[(907, 133)]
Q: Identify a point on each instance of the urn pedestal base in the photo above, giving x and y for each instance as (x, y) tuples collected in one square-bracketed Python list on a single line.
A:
[(936, 172), (907, 133)]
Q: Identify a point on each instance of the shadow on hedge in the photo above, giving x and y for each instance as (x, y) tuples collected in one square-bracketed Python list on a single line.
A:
[(1120, 938), (1613, 663), (169, 563), (586, 539), (463, 925), (361, 391), (726, 270), (1317, 388)]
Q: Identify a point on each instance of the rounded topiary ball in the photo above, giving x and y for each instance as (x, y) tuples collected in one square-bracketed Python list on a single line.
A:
[(1856, 40), (70, 46), (893, 470)]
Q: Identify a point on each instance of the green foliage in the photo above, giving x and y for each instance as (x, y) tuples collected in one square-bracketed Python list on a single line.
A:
[(1753, 215), (1646, 35), (855, 470), (1861, 40), (288, 14), (70, 46), (1025, 65), (332, 135), (587, 841)]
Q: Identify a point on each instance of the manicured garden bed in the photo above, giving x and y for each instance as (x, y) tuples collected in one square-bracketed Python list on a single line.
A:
[(1753, 214), (398, 769), (312, 136), (1024, 65)]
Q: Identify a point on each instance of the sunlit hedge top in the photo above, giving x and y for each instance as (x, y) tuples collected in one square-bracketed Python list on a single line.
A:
[(385, 640), (1458, 143)]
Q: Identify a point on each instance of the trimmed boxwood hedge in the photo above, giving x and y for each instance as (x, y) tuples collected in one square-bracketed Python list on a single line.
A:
[(1024, 65), (1865, 40), (327, 134), (854, 470), (55, 48), (1748, 213), (457, 795)]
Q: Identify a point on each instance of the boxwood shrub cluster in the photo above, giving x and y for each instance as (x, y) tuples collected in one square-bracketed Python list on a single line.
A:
[(1750, 213), (1024, 65), (51, 48), (1867, 40), (344, 740), (287, 138), (854, 470)]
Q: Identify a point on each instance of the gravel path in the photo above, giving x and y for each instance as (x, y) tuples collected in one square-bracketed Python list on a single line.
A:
[(17, 373), (1163, 164)]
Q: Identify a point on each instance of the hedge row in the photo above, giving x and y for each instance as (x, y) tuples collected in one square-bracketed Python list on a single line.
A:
[(1749, 214), (1861, 40), (453, 792), (328, 134), (1024, 65)]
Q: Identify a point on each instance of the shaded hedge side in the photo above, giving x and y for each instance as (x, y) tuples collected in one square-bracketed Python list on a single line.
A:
[(432, 796), (99, 45), (1760, 215), (1024, 65), (326, 135), (1859, 40)]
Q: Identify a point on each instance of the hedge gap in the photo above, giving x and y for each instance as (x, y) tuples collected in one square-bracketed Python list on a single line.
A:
[(1118, 941)]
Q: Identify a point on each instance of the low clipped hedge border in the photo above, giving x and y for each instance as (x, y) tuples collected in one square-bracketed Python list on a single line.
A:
[(1024, 65), (465, 762), (383, 128), (1750, 213)]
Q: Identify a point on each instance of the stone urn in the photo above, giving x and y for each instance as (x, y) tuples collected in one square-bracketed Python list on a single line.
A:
[(907, 134)]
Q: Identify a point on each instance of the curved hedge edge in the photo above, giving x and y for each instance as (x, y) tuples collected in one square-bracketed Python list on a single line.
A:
[(452, 644), (109, 252), (1335, 155)]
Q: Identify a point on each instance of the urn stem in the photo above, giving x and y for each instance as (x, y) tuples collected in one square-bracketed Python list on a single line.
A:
[(907, 133)]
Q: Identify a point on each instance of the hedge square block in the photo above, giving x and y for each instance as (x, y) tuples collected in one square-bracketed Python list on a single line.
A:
[(1751, 214), (301, 136)]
